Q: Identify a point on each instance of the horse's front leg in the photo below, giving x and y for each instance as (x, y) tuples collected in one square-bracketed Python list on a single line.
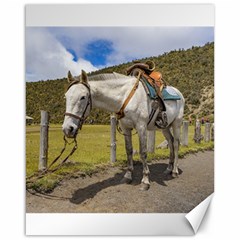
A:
[(142, 133), (129, 150)]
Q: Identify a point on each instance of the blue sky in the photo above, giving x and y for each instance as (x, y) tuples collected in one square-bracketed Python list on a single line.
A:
[(97, 51), (52, 51)]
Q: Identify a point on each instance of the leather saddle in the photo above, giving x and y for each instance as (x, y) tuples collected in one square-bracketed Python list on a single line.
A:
[(154, 78), (145, 72)]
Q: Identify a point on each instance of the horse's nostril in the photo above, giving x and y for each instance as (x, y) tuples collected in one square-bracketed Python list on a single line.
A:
[(71, 129)]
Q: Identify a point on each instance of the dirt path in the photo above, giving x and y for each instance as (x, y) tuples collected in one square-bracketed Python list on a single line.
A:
[(103, 192)]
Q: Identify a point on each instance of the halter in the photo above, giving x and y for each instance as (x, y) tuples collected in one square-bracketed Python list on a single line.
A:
[(81, 118)]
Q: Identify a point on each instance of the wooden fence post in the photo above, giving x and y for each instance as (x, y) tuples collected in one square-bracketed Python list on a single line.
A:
[(185, 133), (212, 132), (207, 132), (151, 141), (113, 145), (197, 133), (43, 156)]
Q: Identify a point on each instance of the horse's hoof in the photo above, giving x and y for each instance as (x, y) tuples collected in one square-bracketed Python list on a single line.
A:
[(167, 171), (126, 180), (175, 175), (144, 187)]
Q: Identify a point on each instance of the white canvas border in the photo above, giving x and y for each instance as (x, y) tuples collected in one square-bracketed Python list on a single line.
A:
[(92, 224), (165, 15)]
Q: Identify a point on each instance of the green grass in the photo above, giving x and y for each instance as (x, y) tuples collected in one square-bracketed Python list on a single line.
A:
[(93, 152)]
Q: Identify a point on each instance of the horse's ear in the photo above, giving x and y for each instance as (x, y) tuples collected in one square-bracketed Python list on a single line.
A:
[(70, 77), (84, 77)]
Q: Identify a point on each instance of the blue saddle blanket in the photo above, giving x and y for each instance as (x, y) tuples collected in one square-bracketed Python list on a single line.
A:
[(168, 92)]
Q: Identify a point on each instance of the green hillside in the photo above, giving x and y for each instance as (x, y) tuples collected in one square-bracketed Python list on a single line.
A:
[(191, 71)]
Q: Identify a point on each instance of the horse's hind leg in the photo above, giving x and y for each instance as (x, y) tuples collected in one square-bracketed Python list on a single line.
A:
[(129, 150), (176, 135), (142, 134), (169, 137)]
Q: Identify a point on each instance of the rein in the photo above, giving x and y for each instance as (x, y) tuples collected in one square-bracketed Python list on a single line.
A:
[(40, 174)]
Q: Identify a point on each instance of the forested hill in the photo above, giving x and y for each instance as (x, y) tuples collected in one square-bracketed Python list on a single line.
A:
[(191, 71)]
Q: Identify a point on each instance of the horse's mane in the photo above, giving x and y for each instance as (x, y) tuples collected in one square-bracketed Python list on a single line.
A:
[(107, 76)]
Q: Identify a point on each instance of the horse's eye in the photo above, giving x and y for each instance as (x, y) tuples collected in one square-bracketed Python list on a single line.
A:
[(82, 98)]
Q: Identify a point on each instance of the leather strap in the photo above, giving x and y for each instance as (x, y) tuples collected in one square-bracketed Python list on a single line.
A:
[(120, 114), (72, 115)]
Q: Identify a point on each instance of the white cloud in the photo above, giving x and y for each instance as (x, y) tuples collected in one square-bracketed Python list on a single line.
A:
[(135, 42), (139, 43), (47, 58)]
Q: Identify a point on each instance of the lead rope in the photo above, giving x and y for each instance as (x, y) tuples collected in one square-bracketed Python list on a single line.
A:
[(40, 174)]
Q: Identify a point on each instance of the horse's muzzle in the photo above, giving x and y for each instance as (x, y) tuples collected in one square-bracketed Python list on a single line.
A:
[(70, 131)]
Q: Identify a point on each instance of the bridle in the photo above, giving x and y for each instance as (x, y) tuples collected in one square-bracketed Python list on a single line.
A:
[(81, 118)]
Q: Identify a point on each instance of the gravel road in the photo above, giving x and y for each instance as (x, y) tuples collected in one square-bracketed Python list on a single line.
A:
[(103, 193)]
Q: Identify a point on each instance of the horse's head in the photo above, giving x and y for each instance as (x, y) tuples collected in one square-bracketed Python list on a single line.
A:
[(78, 104)]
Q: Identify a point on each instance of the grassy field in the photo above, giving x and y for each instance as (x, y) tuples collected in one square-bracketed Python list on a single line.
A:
[(93, 152)]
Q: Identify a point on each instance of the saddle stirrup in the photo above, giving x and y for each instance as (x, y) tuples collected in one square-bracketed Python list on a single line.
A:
[(161, 121)]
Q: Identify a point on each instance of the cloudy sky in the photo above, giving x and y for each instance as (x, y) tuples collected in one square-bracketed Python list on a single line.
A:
[(52, 51)]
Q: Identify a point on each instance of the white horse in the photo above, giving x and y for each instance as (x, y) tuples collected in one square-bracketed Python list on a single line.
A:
[(109, 92)]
